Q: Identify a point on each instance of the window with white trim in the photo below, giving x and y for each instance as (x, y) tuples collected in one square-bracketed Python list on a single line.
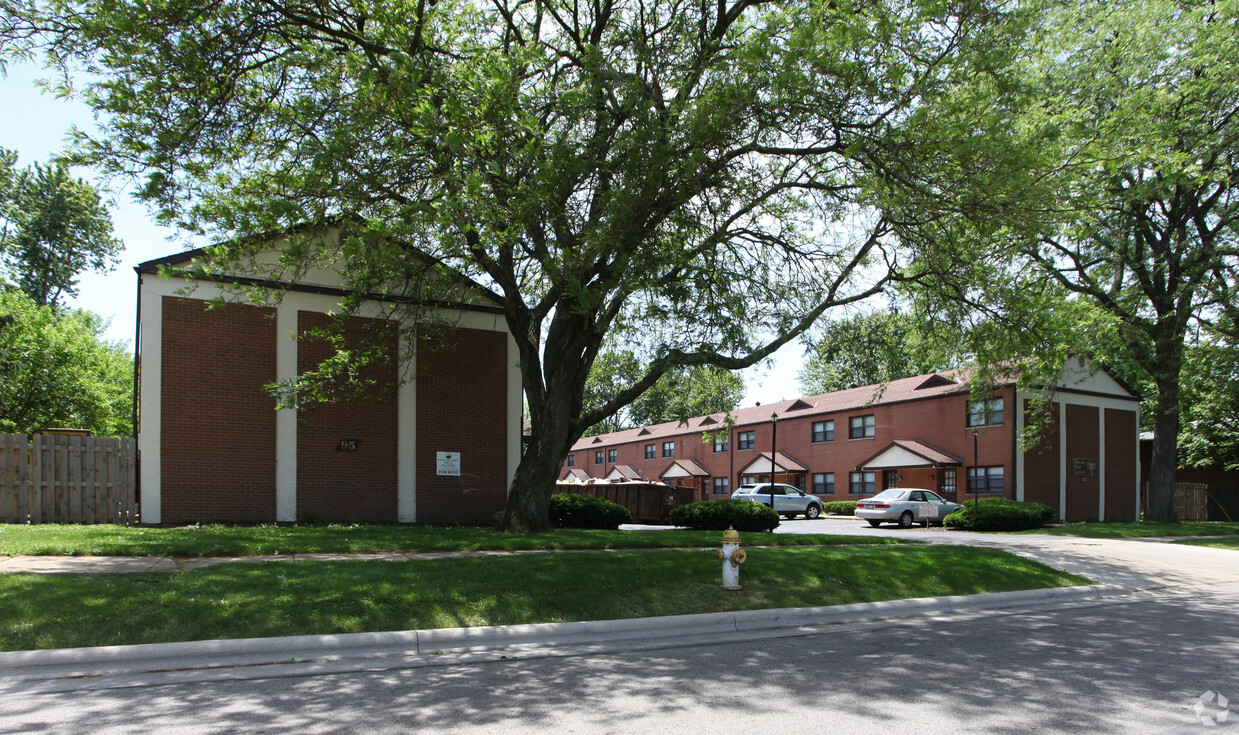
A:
[(862, 483), (823, 431), (985, 479), (985, 413), (861, 427), (823, 483)]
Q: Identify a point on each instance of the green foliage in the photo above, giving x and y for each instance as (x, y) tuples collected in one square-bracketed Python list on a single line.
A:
[(1000, 514), (1210, 386), (719, 515), (569, 510), (680, 394), (871, 348), (1112, 193), (693, 180), (52, 227), (57, 370), (839, 507)]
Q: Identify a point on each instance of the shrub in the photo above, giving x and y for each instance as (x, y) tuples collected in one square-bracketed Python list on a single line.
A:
[(569, 510), (719, 515), (839, 508), (1000, 514)]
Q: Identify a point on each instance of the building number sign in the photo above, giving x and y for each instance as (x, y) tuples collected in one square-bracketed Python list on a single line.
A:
[(348, 445)]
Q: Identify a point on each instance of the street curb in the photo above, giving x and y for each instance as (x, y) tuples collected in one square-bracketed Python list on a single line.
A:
[(76, 663)]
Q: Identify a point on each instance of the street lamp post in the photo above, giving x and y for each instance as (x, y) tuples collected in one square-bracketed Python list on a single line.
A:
[(976, 475), (774, 450)]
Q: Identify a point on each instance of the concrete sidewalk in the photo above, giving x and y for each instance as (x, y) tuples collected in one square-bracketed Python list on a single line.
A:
[(29, 564)]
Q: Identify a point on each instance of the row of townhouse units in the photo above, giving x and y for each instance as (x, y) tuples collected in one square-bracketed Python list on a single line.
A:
[(921, 432)]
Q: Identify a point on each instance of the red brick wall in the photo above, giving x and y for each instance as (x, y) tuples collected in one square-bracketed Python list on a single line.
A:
[(1042, 464), (348, 486), (1082, 443), (217, 457), (939, 422), (462, 407), (1121, 464)]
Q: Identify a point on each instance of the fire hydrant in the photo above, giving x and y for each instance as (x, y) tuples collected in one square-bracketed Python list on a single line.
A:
[(732, 557)]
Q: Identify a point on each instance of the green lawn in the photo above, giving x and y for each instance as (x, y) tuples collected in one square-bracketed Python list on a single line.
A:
[(1220, 543), (218, 540), (287, 598), (1142, 529)]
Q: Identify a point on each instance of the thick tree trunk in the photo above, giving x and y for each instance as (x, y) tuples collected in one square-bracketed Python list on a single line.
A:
[(1165, 454), (529, 497)]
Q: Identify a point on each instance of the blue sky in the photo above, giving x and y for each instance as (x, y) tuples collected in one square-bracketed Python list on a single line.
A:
[(36, 126)]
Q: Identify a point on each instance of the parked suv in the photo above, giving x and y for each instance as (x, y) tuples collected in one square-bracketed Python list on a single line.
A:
[(787, 500)]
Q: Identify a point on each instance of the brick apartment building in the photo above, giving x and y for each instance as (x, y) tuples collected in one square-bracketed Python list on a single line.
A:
[(441, 448), (915, 432)]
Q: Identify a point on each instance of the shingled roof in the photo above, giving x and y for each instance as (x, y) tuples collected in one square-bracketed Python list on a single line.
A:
[(941, 383)]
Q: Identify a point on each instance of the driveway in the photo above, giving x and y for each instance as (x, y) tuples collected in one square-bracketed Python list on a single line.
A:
[(1135, 564)]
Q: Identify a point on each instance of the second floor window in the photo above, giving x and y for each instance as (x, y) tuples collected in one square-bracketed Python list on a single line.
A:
[(598, 457), (746, 440), (572, 460), (612, 455), (668, 449), (720, 444), (860, 427), (823, 431), (985, 413), (650, 451)]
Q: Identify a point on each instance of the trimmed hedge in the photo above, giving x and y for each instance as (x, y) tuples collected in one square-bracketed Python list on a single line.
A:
[(569, 510), (719, 515), (839, 508), (1000, 514)]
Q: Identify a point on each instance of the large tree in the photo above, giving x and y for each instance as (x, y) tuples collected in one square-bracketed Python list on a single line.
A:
[(57, 370), (1107, 188), (693, 176), (681, 393), (52, 227), (869, 348)]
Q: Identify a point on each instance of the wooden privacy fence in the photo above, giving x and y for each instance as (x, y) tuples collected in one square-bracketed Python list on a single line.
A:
[(68, 479), (646, 501)]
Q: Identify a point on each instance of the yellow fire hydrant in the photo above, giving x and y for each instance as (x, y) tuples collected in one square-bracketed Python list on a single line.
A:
[(732, 557)]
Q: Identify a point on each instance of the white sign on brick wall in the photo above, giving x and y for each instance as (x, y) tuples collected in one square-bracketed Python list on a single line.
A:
[(447, 463)]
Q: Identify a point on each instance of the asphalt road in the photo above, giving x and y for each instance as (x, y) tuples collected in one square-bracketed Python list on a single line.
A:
[(1132, 665)]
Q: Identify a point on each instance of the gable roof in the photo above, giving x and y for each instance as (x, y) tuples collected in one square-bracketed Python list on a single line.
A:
[(761, 465), (624, 472), (909, 453), (259, 275), (685, 468), (896, 391)]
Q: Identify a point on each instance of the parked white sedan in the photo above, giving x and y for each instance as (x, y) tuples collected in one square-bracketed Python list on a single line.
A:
[(905, 506)]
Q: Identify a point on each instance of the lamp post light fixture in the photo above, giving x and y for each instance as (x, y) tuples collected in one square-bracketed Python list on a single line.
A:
[(774, 450), (976, 475)]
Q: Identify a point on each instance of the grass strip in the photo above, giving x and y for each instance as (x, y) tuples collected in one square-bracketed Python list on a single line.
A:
[(220, 540), (1217, 543), (1142, 529), (295, 598)]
